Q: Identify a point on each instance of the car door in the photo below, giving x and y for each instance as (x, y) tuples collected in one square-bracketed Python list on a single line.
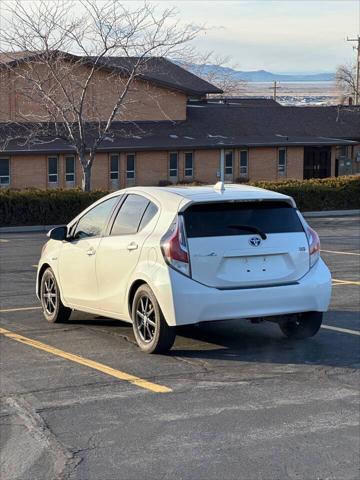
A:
[(119, 252), (76, 263)]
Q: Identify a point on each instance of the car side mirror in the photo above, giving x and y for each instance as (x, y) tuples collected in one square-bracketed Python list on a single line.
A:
[(58, 233)]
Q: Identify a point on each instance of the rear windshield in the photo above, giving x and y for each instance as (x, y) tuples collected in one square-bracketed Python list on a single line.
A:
[(231, 218)]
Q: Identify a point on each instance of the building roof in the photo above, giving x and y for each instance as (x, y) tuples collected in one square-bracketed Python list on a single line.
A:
[(158, 70), (163, 72), (212, 126)]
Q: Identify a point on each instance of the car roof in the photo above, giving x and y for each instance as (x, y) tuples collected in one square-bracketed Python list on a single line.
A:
[(208, 193)]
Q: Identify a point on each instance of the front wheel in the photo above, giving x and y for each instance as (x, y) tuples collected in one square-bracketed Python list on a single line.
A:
[(152, 333), (53, 309), (302, 325)]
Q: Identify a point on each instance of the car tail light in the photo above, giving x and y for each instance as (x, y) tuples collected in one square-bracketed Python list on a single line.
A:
[(314, 245), (174, 247)]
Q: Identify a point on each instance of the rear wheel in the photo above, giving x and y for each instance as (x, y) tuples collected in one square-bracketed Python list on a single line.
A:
[(302, 325), (53, 309), (152, 333)]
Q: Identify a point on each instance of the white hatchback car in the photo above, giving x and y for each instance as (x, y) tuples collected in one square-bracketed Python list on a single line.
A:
[(159, 257)]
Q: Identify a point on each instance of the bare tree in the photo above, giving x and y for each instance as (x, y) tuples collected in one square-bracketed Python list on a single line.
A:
[(215, 69), (346, 80), (54, 50)]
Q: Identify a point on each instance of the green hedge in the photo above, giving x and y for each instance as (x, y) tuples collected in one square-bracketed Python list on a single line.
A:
[(340, 193), (43, 207), (47, 207)]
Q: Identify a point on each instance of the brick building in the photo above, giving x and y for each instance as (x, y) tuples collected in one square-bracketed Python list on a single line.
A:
[(172, 131)]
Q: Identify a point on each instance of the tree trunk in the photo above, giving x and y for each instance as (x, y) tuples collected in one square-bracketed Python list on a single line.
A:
[(86, 180)]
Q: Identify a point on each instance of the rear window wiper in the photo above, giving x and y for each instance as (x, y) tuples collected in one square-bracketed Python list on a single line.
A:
[(249, 228)]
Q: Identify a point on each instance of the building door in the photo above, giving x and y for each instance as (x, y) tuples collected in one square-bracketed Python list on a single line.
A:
[(317, 162)]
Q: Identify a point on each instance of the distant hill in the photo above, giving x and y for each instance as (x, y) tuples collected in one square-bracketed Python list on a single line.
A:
[(264, 76)]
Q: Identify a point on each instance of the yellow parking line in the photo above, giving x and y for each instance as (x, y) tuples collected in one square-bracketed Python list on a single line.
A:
[(140, 382), (2, 240), (341, 330), (341, 253), (345, 282), (20, 309), (35, 266)]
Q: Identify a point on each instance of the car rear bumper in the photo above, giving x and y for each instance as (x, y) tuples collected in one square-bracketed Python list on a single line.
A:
[(194, 302)]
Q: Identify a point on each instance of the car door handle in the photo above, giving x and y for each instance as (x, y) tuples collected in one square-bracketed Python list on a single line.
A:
[(90, 252), (132, 246)]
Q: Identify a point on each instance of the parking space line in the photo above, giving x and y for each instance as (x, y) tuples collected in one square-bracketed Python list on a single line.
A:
[(341, 330), (345, 282), (340, 253), (20, 309), (2, 240), (140, 382)]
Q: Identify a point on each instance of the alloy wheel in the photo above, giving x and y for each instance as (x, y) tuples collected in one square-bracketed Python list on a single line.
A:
[(145, 319), (49, 297)]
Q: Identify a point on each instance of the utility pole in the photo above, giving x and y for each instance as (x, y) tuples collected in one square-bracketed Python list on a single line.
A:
[(357, 67), (275, 85)]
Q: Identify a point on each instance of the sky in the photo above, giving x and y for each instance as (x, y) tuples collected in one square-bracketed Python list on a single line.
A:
[(281, 36), (284, 36)]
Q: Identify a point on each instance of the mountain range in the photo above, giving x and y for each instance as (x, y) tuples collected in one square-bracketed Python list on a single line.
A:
[(265, 76)]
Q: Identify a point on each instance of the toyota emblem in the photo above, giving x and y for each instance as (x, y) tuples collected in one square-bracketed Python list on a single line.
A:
[(254, 241)]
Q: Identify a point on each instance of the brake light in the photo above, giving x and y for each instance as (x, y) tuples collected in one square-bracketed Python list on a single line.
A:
[(314, 245), (174, 247)]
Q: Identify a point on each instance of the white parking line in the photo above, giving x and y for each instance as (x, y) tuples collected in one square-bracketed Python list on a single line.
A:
[(341, 330), (19, 309), (337, 281), (342, 253)]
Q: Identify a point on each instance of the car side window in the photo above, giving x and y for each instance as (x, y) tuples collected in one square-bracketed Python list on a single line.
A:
[(130, 215), (149, 214), (92, 223)]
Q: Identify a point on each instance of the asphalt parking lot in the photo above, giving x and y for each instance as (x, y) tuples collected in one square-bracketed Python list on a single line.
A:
[(232, 400)]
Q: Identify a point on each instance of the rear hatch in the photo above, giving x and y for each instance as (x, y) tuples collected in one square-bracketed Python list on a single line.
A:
[(243, 244)]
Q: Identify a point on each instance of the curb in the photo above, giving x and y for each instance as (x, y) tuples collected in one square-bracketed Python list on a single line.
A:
[(46, 228), (27, 228), (332, 213)]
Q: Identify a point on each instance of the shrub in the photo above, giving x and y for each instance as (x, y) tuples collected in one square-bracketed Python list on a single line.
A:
[(242, 180), (334, 193), (43, 207), (47, 207), (190, 183), (164, 183)]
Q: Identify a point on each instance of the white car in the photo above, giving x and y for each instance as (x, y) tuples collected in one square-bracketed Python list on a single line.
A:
[(159, 257)]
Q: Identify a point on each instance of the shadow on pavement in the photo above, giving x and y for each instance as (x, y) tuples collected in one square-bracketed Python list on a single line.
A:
[(241, 341), (244, 342)]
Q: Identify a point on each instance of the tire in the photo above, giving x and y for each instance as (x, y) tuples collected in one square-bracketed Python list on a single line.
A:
[(53, 309), (303, 325), (152, 333)]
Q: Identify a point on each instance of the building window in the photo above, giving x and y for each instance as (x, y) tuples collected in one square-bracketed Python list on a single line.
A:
[(114, 167), (4, 172), (343, 151), (173, 164), (229, 162), (189, 168), (70, 169), (244, 167), (282, 162), (130, 166), (53, 169)]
